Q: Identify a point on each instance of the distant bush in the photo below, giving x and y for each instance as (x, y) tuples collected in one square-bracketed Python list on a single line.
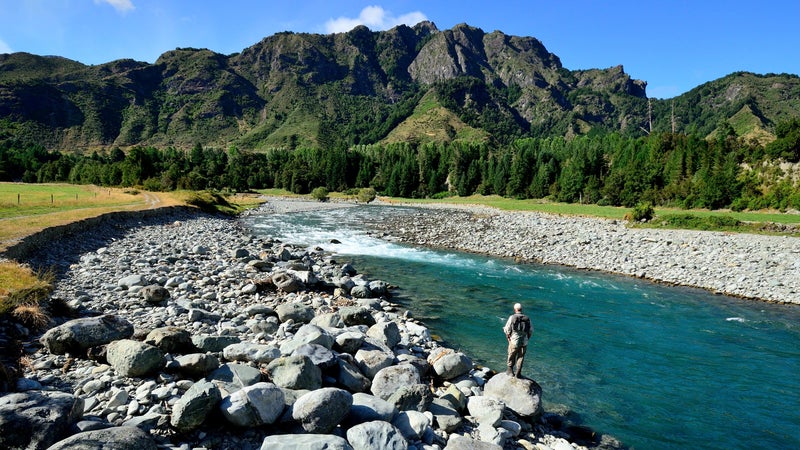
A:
[(642, 212), (694, 222), (320, 194), (208, 201), (443, 194), (366, 195)]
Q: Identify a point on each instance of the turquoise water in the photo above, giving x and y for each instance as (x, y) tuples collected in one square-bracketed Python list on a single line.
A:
[(657, 367)]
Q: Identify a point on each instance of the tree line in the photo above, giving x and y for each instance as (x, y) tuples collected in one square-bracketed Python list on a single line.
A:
[(608, 169)]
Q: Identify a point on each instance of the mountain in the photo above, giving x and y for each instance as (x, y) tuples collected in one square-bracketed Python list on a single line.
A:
[(413, 84)]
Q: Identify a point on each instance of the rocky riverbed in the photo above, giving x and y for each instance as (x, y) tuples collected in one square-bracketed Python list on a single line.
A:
[(183, 331), (751, 266)]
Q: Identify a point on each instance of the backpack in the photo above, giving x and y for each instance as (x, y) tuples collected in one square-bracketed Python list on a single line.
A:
[(521, 324)]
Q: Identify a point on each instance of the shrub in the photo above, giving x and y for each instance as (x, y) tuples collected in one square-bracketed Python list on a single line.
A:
[(320, 194), (366, 195), (642, 212)]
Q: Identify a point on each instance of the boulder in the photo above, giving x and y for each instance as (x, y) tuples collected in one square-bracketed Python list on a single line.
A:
[(171, 340), (252, 406), (349, 376), (412, 424), (328, 320), (154, 294), (458, 442), (348, 342), (320, 411), (287, 282), (379, 288), (486, 410), (388, 380), (376, 434), (37, 419), (305, 442), (117, 438), (360, 291), (247, 351), (451, 364), (308, 334), (456, 398), (386, 332), (195, 404), (367, 408), (372, 361), (521, 395), (231, 377), (414, 397), (131, 358), (295, 372), (297, 312), (76, 336), (196, 365), (356, 315), (132, 280), (446, 417), (319, 355), (213, 344)]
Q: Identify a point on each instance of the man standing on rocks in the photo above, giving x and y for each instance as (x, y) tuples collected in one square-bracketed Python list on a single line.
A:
[(518, 330)]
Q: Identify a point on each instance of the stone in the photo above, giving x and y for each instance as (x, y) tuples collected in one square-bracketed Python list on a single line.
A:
[(456, 398), (356, 315), (305, 442), (213, 344), (117, 438), (37, 419), (321, 410), (386, 332), (390, 379), (132, 280), (367, 408), (297, 312), (372, 361), (171, 340), (252, 406), (319, 355), (458, 442), (196, 365), (349, 342), (350, 377), (446, 417), (131, 358), (154, 294), (416, 397), (246, 351), (486, 410), (231, 377), (451, 364), (360, 291), (412, 424), (191, 410), (379, 288), (376, 434), (287, 282), (328, 320), (308, 334), (295, 372), (78, 335), (521, 395)]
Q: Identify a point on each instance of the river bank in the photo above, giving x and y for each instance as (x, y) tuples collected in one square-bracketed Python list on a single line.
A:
[(184, 331), (759, 267)]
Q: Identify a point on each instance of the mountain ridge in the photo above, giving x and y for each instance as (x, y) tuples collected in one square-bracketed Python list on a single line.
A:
[(362, 87)]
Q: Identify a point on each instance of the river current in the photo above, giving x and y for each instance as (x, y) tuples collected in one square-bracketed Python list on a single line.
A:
[(658, 367)]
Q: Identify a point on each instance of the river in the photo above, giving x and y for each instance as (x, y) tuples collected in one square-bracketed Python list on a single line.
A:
[(657, 367)]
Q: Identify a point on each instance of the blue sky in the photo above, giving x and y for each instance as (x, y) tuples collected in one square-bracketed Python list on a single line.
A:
[(673, 45)]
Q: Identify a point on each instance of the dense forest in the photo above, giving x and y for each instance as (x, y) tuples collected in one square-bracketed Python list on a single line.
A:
[(608, 169)]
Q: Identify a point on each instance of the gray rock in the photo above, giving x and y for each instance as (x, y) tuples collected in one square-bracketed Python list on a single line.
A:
[(37, 419), (154, 294), (259, 404), (350, 377), (320, 411), (147, 422), (349, 342), (451, 365), (378, 288), (521, 395), (486, 410), (297, 312), (319, 355), (202, 315), (328, 320), (196, 365), (308, 334), (356, 315), (295, 372), (390, 379), (213, 344), (305, 442), (412, 424), (114, 438), (78, 335), (171, 340), (446, 417), (367, 408), (458, 442), (386, 332), (415, 397), (456, 398), (376, 434), (231, 377), (191, 410), (132, 280), (131, 358), (287, 282), (372, 361), (240, 253), (360, 291), (246, 351)]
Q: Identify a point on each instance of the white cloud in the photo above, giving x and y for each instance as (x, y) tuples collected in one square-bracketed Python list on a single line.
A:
[(122, 6), (375, 18), (5, 48)]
